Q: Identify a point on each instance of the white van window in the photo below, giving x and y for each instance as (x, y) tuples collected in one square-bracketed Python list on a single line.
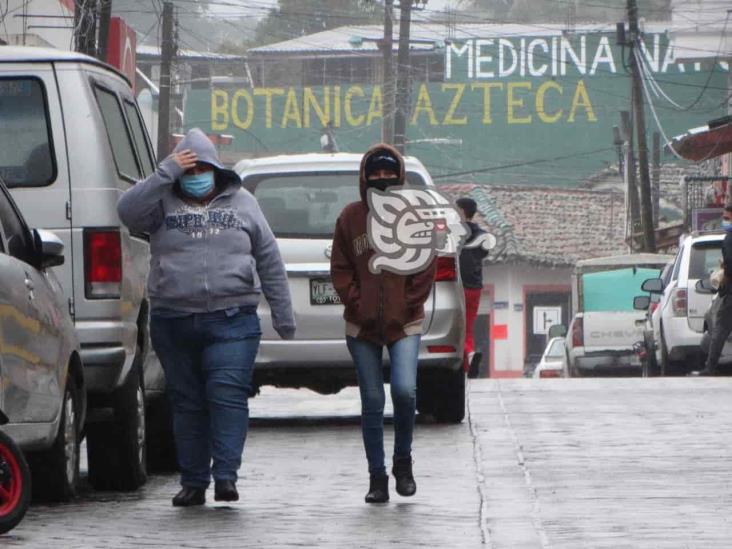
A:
[(119, 135), (307, 205), (26, 148), (138, 133), (704, 258)]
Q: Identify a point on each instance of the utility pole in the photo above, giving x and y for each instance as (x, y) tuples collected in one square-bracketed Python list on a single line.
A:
[(656, 177), (85, 26), (649, 236), (403, 76), (629, 174), (167, 51), (105, 16), (387, 128)]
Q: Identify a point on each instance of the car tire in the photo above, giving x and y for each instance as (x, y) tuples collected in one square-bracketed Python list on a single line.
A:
[(161, 456), (442, 394), (55, 472), (117, 451), (15, 479)]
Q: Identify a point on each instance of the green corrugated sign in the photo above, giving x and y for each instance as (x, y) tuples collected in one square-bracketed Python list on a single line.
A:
[(523, 109)]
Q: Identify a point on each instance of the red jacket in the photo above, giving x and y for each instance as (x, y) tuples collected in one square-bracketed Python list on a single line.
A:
[(381, 308)]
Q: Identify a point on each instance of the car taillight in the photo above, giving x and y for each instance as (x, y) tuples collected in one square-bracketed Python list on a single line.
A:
[(446, 269), (440, 349), (550, 373), (102, 264), (679, 302), (578, 336)]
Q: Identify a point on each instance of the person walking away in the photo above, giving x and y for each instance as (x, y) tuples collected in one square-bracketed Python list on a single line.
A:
[(471, 274), (212, 256), (381, 310), (723, 315)]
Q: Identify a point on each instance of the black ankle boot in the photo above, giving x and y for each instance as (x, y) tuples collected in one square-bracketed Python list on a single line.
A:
[(189, 497), (378, 489), (402, 471), (225, 490)]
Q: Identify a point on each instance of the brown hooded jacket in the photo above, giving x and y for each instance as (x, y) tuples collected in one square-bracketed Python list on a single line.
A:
[(381, 308)]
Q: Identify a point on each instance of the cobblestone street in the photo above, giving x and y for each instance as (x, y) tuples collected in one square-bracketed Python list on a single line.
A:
[(546, 463)]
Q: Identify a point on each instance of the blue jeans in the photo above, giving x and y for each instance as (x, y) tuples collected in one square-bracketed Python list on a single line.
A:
[(208, 359), (368, 359)]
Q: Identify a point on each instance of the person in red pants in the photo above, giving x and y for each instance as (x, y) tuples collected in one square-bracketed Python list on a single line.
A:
[(471, 273)]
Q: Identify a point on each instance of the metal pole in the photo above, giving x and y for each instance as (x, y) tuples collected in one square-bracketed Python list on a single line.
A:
[(656, 177), (633, 208), (387, 127), (403, 77), (105, 15), (649, 237), (167, 49)]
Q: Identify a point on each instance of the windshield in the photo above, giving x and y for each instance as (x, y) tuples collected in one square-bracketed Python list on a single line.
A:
[(556, 349), (614, 290), (307, 204)]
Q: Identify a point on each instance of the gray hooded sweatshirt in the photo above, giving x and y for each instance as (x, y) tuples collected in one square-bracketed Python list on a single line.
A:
[(210, 257)]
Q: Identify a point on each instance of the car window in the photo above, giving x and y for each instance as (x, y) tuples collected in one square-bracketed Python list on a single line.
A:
[(677, 265), (307, 205), (16, 232), (26, 147), (614, 290), (556, 350), (704, 258), (138, 134), (118, 133)]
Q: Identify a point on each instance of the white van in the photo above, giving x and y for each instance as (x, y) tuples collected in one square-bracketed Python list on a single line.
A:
[(72, 142)]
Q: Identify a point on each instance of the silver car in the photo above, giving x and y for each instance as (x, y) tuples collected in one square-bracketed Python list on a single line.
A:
[(301, 197), (42, 387)]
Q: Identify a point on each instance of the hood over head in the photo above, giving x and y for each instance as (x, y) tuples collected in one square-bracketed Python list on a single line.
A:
[(376, 149), (198, 142)]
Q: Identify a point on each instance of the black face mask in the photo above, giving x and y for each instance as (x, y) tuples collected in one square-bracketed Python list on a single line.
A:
[(382, 184)]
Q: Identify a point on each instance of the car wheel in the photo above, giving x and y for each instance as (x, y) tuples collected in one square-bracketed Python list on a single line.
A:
[(117, 451), (443, 395), (15, 484), (161, 456), (55, 471), (664, 366)]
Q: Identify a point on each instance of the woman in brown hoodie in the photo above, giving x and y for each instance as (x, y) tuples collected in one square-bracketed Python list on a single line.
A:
[(384, 309)]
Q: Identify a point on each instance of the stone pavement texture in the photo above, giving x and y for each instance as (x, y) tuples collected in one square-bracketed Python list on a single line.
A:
[(568, 463)]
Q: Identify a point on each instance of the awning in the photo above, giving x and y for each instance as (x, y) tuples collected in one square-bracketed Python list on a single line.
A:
[(705, 142)]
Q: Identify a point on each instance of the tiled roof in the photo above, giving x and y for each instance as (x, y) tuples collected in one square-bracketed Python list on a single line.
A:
[(546, 225)]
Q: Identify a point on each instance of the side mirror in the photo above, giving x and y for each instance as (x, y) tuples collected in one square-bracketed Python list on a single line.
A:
[(704, 286), (49, 247), (653, 285), (557, 330), (641, 302)]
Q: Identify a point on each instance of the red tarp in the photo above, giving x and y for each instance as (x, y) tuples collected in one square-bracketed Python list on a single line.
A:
[(704, 143)]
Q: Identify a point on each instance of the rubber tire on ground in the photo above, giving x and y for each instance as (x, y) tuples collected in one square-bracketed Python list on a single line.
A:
[(10, 518), (441, 393), (116, 450), (161, 457), (55, 471), (653, 368)]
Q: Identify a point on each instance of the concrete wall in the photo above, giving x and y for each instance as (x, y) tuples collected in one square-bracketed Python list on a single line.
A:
[(505, 289)]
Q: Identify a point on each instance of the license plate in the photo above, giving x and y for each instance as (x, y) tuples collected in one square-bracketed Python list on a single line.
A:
[(322, 292)]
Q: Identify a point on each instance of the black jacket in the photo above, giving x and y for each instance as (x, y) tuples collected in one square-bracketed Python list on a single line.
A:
[(727, 263), (471, 260)]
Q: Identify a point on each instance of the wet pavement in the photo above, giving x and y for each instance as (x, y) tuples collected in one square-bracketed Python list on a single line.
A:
[(541, 463)]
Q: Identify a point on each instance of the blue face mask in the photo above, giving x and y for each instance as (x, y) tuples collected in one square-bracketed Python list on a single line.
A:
[(198, 185), (727, 225)]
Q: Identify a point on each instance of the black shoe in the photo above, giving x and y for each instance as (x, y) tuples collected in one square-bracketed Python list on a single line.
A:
[(402, 471), (378, 489), (474, 368), (225, 490), (189, 497)]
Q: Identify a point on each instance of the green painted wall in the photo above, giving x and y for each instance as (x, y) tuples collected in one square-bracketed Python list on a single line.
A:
[(531, 109)]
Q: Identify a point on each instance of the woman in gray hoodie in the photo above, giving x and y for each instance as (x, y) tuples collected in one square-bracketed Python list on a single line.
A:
[(212, 256)]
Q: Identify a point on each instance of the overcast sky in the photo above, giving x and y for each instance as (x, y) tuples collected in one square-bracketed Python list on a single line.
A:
[(432, 5)]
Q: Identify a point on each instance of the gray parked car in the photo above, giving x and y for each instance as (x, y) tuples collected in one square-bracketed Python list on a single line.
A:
[(41, 377), (301, 197), (73, 140)]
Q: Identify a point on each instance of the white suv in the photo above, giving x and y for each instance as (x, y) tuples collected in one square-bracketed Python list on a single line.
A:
[(678, 322)]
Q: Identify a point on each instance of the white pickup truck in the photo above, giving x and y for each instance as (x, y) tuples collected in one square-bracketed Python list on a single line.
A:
[(605, 325)]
